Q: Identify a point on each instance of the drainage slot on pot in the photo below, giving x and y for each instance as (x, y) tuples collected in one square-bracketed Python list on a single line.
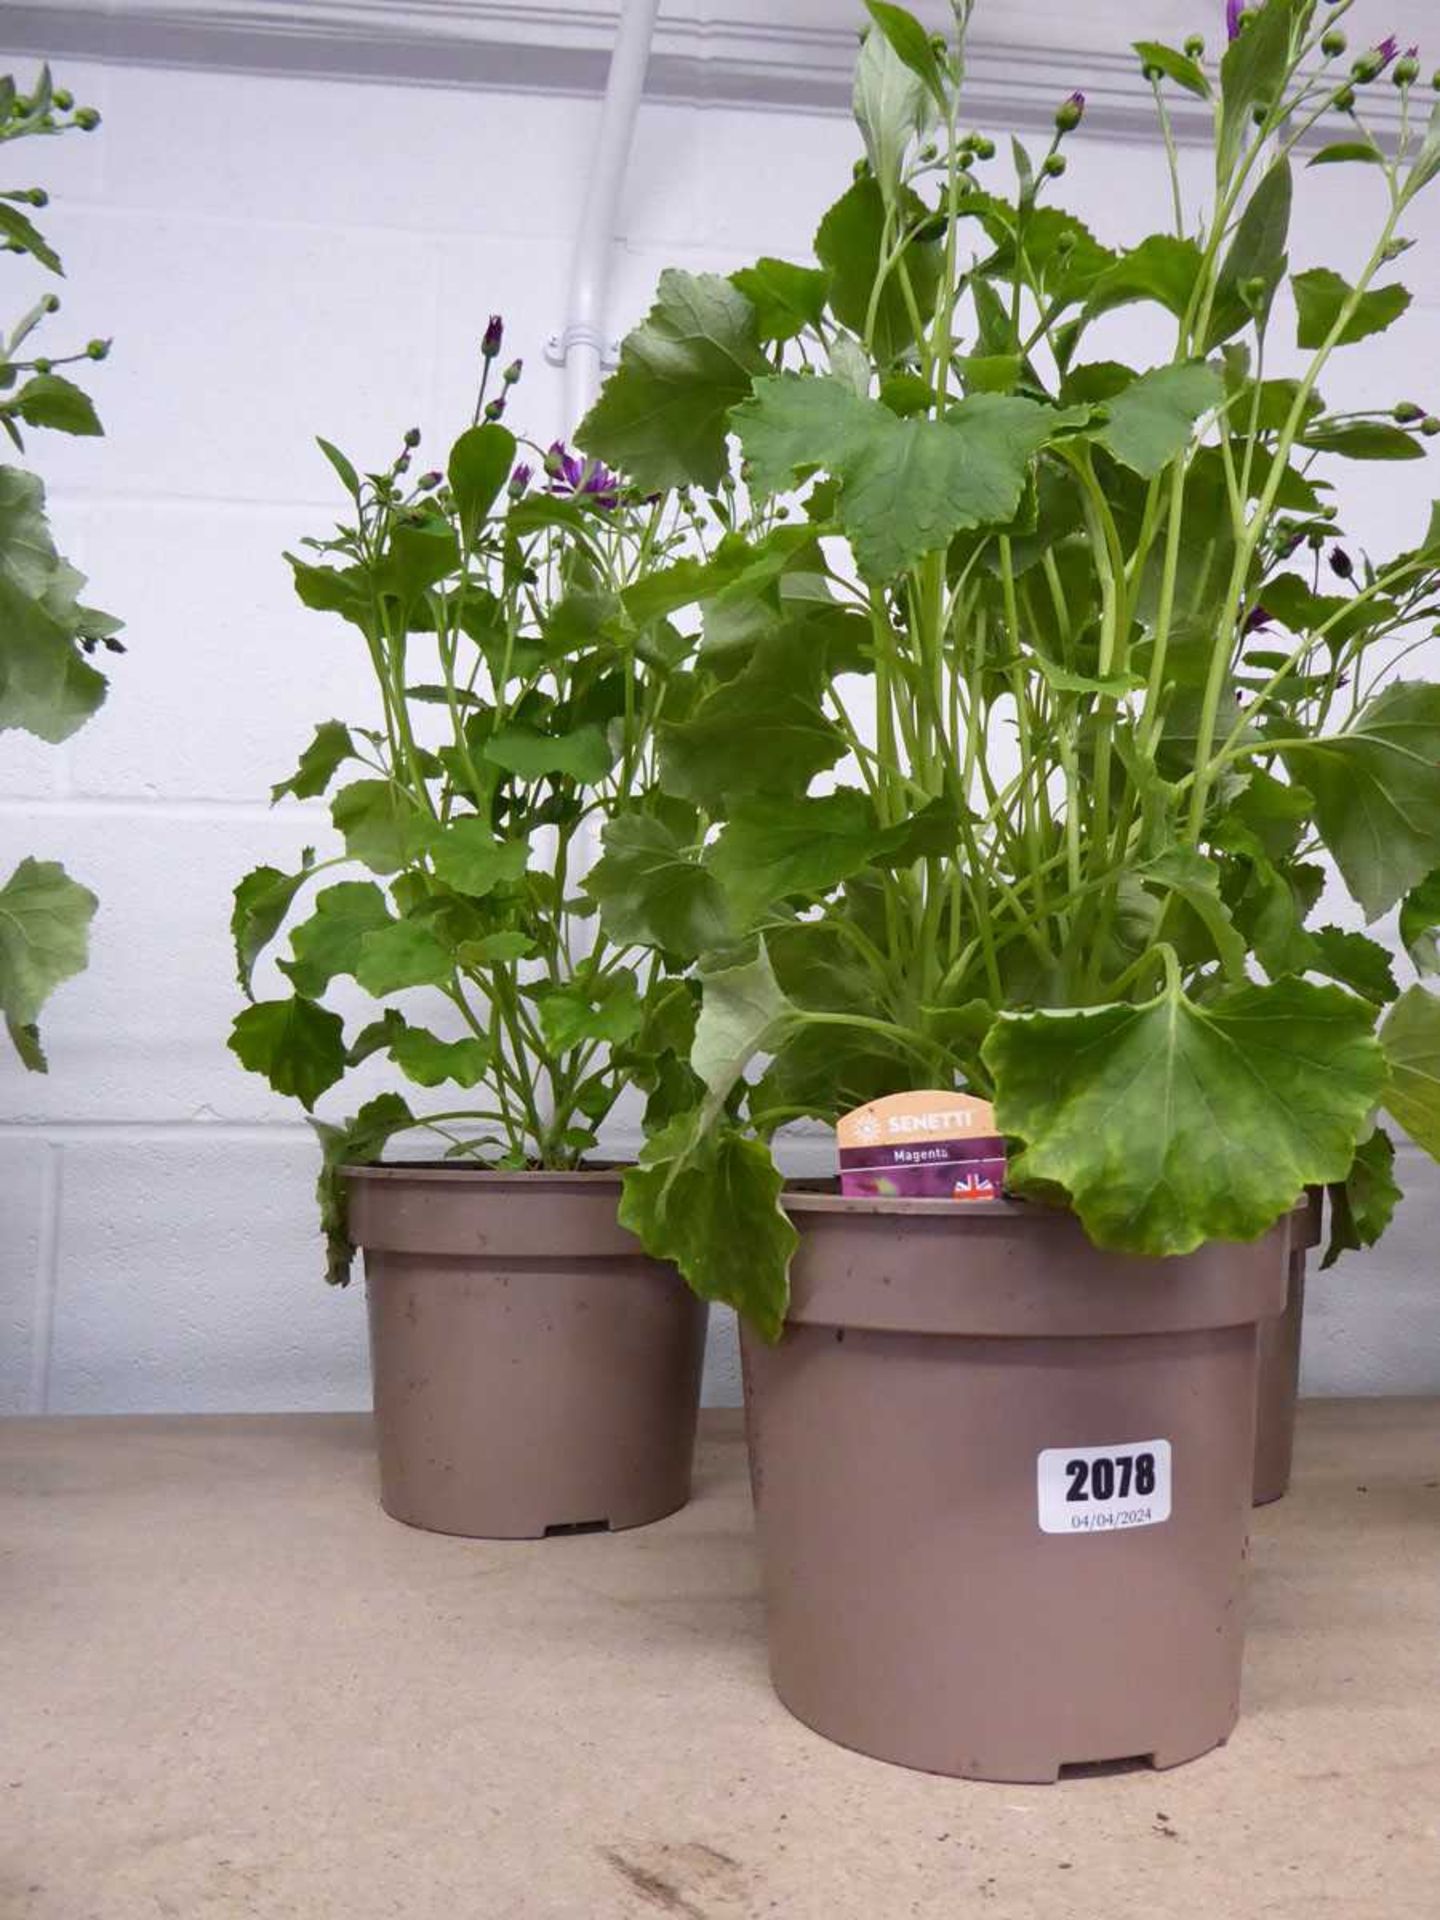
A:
[(577, 1526), (1102, 1769)]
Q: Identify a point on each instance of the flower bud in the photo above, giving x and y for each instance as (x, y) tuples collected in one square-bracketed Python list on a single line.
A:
[(87, 119), (1260, 112), (984, 148), (97, 349), (512, 372), (412, 436), (63, 99), (1070, 113), (428, 482), (929, 151), (494, 409), (1430, 426), (1329, 511), (51, 303), (402, 465), (1055, 164), (860, 170), (494, 335), (1407, 69), (1407, 413), (42, 366), (1345, 100), (37, 197), (1333, 43), (520, 479), (1195, 48), (1341, 563)]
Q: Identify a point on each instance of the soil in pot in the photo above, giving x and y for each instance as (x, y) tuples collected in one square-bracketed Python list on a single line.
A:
[(1003, 1485), (534, 1371)]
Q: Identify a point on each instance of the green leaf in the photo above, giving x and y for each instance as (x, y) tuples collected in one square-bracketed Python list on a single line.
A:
[(906, 486), (467, 856), (1170, 1123), (1410, 1035), (849, 244), (331, 746), (342, 590), (480, 464), (1195, 880), (608, 1010), (403, 954), (892, 105), (356, 1143), (663, 414), (712, 1207), (1362, 1205), (430, 1062), (1342, 150), (651, 890), (26, 1042), (1321, 297), (44, 939), (383, 828), (743, 1013), (1153, 420), (1112, 686), (494, 949), (1356, 962), (761, 733), (1177, 66), (770, 849), (1363, 440), (46, 684), (786, 299), (1253, 70), (910, 41), (1420, 923), (1162, 268), (297, 1046), (262, 901), (1377, 793), (329, 942), (48, 400), (1256, 261), (349, 479), (23, 236), (584, 755)]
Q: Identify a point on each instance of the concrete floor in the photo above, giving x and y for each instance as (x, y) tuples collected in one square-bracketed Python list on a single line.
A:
[(230, 1686)]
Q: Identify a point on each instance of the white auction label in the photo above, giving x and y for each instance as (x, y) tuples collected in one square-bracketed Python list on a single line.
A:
[(1103, 1489)]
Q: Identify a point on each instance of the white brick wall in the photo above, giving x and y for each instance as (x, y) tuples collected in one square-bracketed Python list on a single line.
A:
[(280, 257)]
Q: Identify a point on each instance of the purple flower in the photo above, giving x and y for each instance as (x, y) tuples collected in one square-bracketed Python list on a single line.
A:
[(1256, 619), (569, 474), (1070, 113), (1233, 11), (1388, 48), (520, 480), (494, 334)]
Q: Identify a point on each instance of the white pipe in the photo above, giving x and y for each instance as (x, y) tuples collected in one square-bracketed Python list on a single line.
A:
[(581, 346)]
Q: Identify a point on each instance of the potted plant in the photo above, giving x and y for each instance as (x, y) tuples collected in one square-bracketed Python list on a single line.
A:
[(49, 684), (534, 1371), (1102, 684)]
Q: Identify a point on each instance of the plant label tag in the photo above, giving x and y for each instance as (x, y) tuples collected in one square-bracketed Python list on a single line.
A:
[(922, 1146), (1103, 1489)]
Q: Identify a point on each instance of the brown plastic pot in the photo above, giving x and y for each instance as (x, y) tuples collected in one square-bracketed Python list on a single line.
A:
[(1280, 1365), (917, 1609), (534, 1371)]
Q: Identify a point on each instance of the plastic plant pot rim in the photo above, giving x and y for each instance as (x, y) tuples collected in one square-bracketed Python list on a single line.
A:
[(433, 1172)]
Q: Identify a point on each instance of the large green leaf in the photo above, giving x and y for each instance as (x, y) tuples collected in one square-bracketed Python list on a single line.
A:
[(1162, 268), (1177, 66), (1321, 296), (892, 105), (297, 1046), (743, 1013), (582, 755), (663, 414), (44, 939), (382, 827), (1363, 1204), (771, 849), (262, 901), (849, 244), (1410, 1036), (786, 299), (1172, 1123), (1363, 440), (431, 1062), (330, 748), (1253, 69), (712, 1207), (607, 1009), (1420, 924), (911, 42), (329, 942), (468, 857), (652, 891), (1377, 793), (1256, 262), (1154, 419), (46, 684), (356, 1142), (906, 486), (479, 465), (49, 400), (1356, 962), (403, 954)]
